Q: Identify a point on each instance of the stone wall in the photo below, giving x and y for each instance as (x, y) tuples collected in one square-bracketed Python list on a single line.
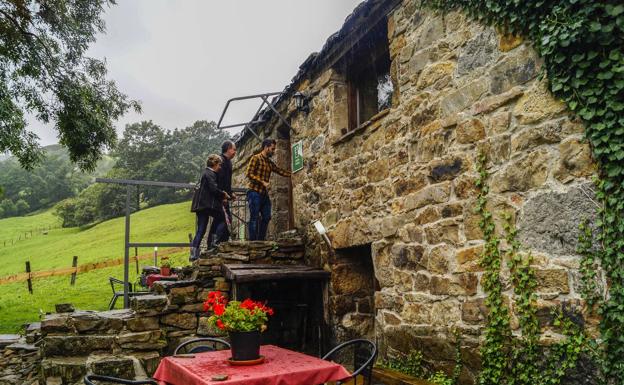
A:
[(129, 343), (405, 181)]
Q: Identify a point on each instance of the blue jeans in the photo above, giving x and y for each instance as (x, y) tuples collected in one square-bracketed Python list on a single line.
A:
[(259, 215)]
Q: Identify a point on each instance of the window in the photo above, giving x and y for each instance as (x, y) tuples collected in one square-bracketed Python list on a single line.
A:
[(368, 76)]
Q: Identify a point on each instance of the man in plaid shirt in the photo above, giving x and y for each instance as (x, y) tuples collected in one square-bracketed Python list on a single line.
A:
[(259, 173)]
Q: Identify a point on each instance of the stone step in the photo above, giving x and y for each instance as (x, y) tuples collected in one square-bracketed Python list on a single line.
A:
[(8, 339), (23, 347), (63, 370)]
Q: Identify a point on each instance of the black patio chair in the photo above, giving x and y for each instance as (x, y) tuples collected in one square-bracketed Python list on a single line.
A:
[(208, 344), (119, 293), (364, 354), (88, 380)]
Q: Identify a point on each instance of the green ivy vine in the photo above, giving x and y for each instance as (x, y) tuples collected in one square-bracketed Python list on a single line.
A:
[(582, 44), (590, 288), (525, 356), (509, 359), (497, 331)]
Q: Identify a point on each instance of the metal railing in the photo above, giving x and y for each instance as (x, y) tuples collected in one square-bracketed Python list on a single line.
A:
[(240, 215), (238, 208)]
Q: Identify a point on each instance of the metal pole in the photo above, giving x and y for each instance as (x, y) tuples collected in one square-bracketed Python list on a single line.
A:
[(30, 289), (155, 255), (127, 248)]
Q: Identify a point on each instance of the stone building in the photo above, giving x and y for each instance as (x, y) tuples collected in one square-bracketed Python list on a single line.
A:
[(401, 100)]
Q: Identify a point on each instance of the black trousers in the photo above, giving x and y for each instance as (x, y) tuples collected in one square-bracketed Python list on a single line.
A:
[(202, 224), (219, 227)]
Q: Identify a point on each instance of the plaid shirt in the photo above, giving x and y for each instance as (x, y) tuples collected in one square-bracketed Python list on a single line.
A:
[(259, 170)]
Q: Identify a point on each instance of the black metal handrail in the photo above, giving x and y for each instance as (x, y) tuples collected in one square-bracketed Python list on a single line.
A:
[(238, 208), (241, 223)]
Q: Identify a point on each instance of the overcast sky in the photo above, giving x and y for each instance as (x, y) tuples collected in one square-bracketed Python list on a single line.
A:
[(183, 59)]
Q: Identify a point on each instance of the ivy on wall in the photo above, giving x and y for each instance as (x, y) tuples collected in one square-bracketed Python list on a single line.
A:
[(509, 359), (582, 43)]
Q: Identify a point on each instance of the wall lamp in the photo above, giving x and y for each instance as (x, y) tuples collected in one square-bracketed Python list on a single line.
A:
[(302, 102), (321, 230)]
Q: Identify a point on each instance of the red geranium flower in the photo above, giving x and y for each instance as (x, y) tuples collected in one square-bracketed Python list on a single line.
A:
[(247, 315)]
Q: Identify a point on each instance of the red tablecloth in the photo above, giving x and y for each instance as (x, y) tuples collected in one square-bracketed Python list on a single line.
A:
[(157, 277), (281, 367)]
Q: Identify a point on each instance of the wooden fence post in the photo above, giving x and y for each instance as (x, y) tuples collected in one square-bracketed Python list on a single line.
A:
[(75, 266), (30, 289)]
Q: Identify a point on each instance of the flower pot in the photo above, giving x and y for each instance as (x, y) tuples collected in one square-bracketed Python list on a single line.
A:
[(245, 345), (165, 271)]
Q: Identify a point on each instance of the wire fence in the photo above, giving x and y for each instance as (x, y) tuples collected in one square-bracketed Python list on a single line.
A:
[(74, 269), (28, 234)]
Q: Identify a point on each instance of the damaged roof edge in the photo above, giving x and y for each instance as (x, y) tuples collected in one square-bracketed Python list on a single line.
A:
[(356, 24)]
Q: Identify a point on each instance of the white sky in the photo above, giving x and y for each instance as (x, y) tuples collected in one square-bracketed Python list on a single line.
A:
[(183, 59)]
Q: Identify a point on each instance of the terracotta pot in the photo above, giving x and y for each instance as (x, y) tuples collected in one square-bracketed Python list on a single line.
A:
[(165, 271), (245, 345)]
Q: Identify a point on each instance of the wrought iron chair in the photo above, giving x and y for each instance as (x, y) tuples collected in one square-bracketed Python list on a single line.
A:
[(88, 380), (119, 293), (364, 355), (208, 344)]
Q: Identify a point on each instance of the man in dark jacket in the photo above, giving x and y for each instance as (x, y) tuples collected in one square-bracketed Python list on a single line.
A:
[(219, 230), (207, 201)]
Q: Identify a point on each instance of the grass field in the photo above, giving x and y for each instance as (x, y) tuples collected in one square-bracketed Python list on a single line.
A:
[(167, 223)]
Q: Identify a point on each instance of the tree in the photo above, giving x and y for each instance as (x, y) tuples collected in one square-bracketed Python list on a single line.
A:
[(8, 207), (44, 71), (49, 182), (22, 207)]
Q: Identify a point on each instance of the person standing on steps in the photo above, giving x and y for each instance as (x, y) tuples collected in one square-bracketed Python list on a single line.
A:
[(219, 230), (258, 173), (207, 201)]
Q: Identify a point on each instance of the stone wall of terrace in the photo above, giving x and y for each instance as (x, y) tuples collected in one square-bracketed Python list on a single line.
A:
[(129, 343)]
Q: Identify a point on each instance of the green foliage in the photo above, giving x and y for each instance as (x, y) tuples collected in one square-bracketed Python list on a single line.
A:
[(44, 72), (494, 351), (146, 152), (582, 44), (164, 262), (236, 316), (509, 359), (563, 355), (525, 353), (440, 378), (590, 288), (411, 364), (51, 181)]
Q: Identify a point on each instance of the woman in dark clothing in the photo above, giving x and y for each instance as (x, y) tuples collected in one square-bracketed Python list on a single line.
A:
[(207, 202)]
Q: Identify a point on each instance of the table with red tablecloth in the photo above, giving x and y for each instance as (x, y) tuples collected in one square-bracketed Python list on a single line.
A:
[(157, 277), (281, 367)]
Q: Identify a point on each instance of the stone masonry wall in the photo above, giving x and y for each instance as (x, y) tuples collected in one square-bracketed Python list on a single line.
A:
[(405, 182), (129, 343)]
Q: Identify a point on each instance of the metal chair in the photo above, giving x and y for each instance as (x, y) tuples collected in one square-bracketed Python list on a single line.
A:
[(208, 345), (364, 356), (88, 380), (119, 293)]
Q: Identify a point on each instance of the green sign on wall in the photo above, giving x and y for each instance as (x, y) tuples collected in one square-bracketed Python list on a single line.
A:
[(297, 156)]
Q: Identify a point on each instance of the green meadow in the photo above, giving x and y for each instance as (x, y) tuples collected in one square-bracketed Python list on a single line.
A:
[(54, 250)]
